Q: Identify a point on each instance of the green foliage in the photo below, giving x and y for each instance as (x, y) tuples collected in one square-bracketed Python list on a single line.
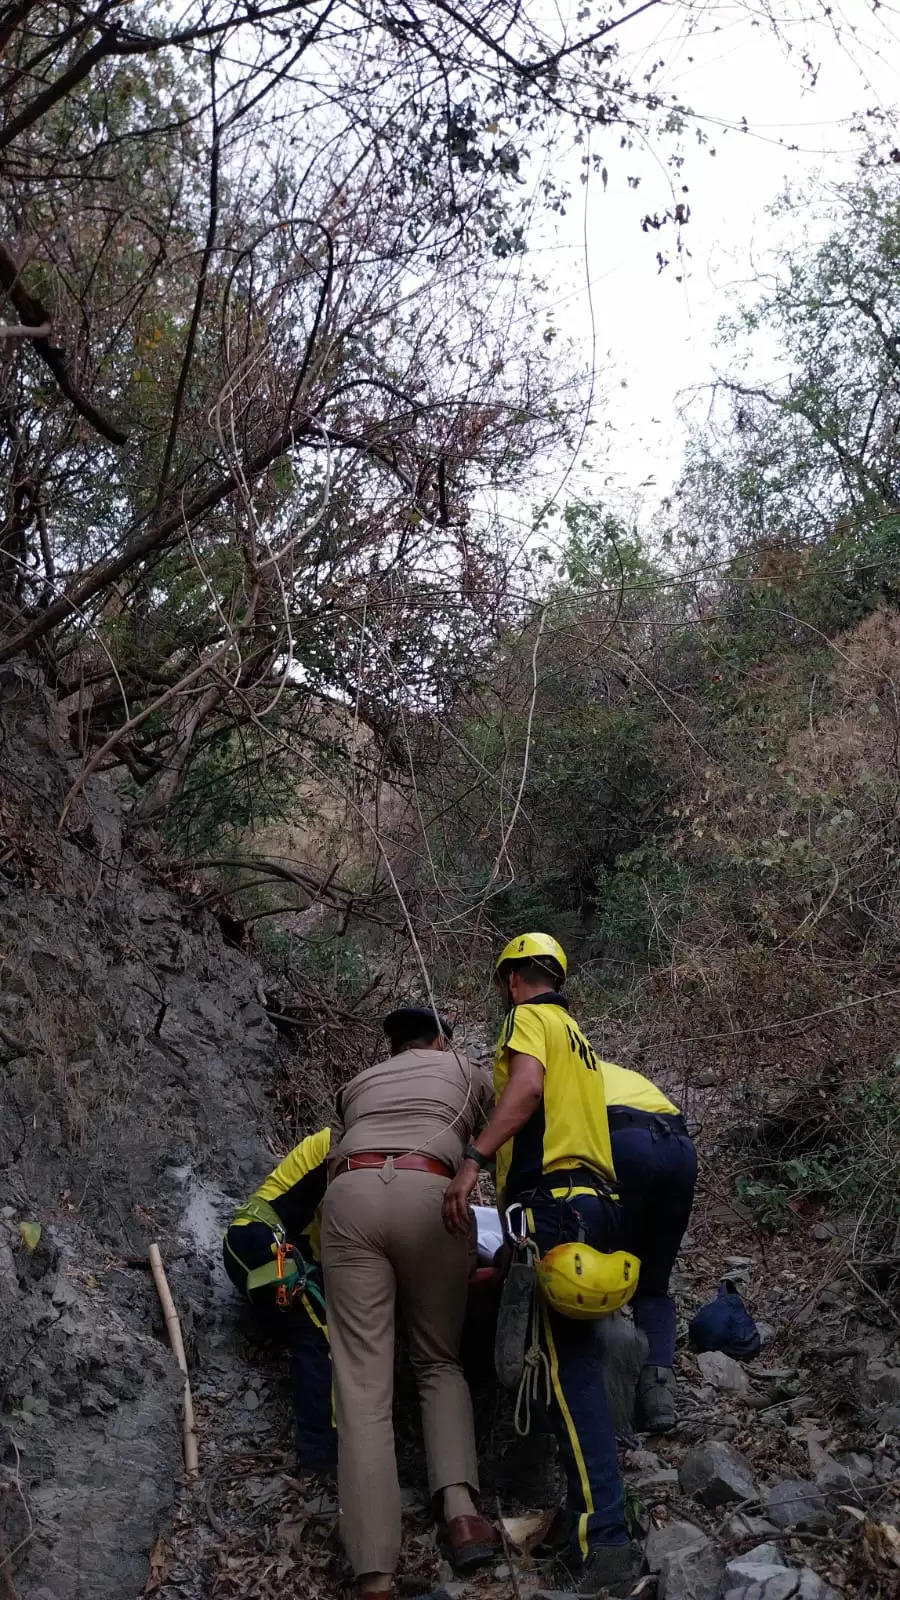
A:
[(332, 964), (807, 468), (854, 1167), (602, 552), (230, 789), (800, 1178)]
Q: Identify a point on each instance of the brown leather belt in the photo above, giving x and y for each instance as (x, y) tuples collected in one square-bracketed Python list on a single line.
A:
[(403, 1163)]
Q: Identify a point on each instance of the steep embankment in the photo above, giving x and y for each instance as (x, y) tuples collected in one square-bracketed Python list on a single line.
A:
[(136, 1060), (134, 1054)]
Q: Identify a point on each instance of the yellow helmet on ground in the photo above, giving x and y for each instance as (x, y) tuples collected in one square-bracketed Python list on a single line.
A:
[(533, 946), (578, 1281)]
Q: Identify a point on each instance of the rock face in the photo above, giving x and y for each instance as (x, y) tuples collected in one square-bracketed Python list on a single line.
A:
[(716, 1474), (796, 1503), (134, 1048)]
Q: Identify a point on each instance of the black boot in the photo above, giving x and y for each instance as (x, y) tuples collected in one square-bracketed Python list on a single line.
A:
[(609, 1569), (655, 1405)]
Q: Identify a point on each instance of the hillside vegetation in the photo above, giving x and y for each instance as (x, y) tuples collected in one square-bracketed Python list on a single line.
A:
[(312, 697)]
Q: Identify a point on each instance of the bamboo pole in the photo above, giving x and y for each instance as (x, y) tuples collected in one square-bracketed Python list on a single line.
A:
[(173, 1326)]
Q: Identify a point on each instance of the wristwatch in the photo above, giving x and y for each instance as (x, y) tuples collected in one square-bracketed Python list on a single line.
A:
[(471, 1154)]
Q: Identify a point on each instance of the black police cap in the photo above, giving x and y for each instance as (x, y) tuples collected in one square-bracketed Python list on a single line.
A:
[(416, 1022)]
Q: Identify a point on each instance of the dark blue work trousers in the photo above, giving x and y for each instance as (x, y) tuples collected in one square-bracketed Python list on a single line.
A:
[(656, 1170), (579, 1411), (303, 1331)]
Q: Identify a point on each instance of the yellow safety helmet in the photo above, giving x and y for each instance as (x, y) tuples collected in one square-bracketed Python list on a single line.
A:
[(578, 1281), (534, 945)]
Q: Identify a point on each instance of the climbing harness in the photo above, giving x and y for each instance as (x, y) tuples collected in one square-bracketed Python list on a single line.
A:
[(288, 1274)]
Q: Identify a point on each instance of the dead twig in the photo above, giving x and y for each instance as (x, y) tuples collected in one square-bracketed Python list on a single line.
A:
[(507, 1552), (870, 1289), (173, 1326)]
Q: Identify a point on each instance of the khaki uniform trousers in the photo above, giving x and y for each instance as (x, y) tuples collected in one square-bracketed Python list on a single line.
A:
[(384, 1243)]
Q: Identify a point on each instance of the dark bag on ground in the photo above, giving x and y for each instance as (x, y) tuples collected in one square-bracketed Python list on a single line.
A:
[(725, 1324)]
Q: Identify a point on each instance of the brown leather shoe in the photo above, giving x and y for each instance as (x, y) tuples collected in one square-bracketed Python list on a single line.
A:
[(471, 1542)]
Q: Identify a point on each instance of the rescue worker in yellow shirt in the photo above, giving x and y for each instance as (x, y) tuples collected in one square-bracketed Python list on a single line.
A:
[(656, 1170), (272, 1254), (549, 1132)]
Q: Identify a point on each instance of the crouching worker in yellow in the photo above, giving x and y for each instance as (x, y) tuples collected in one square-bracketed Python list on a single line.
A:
[(550, 1134), (271, 1254)]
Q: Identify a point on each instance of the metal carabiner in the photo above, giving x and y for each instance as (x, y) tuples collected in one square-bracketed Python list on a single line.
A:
[(521, 1237)]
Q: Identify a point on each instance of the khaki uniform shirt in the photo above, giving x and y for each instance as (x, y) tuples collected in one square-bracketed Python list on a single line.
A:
[(431, 1102)]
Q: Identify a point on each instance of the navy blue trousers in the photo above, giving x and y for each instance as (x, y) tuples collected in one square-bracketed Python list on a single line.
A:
[(303, 1331), (579, 1411), (657, 1172)]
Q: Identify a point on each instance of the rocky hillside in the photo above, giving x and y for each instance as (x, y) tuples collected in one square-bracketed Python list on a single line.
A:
[(135, 1052), (138, 1064)]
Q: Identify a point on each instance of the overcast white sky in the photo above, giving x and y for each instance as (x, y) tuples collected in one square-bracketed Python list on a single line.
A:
[(654, 334)]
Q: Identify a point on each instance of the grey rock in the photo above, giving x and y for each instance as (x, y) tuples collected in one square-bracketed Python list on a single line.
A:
[(804, 1405), (764, 1555), (838, 1479), (888, 1419), (885, 1468), (883, 1381), (723, 1372), (823, 1231), (673, 1536), (858, 1465), (797, 1503), (693, 1573), (647, 1482), (251, 1400), (744, 1571), (782, 1584), (716, 1474), (741, 1525)]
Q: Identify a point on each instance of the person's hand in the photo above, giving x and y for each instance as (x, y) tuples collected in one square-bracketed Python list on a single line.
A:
[(456, 1214)]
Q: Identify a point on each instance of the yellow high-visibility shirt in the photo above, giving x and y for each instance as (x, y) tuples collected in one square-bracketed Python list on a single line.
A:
[(633, 1090), (569, 1128), (296, 1188)]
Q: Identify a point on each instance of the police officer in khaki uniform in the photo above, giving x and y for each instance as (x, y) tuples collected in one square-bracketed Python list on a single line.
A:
[(400, 1132)]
